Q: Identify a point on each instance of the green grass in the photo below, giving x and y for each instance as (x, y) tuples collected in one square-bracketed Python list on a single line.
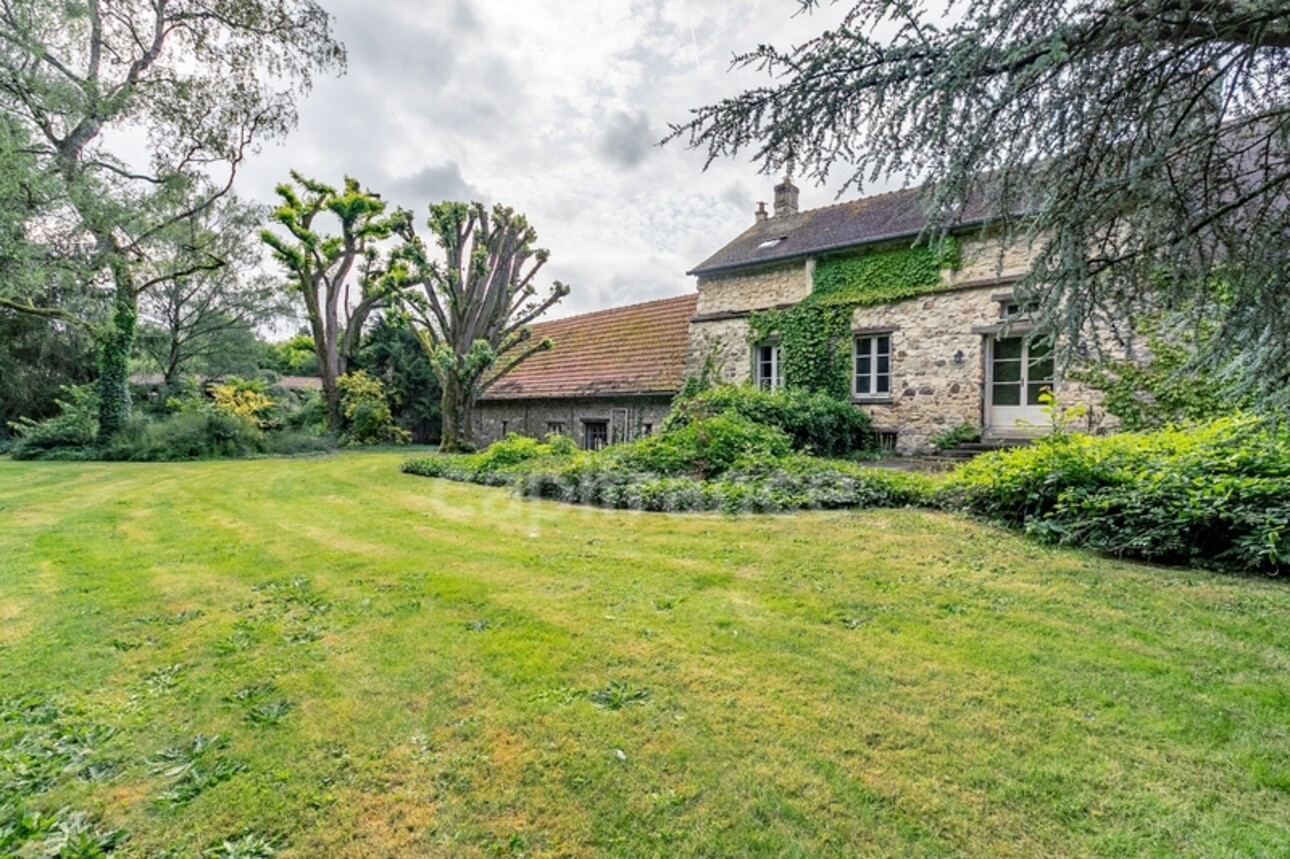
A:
[(342, 660)]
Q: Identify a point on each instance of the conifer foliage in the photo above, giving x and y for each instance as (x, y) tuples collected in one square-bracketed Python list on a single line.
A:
[(1145, 142)]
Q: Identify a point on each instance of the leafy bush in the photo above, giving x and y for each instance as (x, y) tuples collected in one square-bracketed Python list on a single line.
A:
[(497, 465), (954, 436), (207, 434), (245, 399), (366, 411), (68, 435), (704, 446), (816, 423), (1216, 495)]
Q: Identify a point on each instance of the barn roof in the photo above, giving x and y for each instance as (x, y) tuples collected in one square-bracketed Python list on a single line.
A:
[(633, 350)]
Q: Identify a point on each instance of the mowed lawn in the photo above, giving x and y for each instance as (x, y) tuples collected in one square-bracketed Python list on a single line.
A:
[(355, 662)]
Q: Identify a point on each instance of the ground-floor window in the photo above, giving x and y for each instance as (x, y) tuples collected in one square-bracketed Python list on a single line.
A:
[(555, 427), (767, 373), (873, 366), (595, 434)]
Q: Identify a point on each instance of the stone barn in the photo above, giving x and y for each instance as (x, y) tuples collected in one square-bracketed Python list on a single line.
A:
[(611, 377)]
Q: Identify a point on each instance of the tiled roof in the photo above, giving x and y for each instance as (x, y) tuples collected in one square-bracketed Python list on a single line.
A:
[(897, 214), (290, 383), (639, 349)]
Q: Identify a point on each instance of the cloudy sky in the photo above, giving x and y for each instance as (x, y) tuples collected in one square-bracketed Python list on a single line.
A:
[(552, 107)]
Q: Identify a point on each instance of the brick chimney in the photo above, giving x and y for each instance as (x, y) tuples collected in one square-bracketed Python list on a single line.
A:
[(761, 211), (786, 198)]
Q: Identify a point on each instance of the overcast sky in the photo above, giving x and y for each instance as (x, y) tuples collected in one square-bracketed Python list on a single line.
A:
[(552, 107)]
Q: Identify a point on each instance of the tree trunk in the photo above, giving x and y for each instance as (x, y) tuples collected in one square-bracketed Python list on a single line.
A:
[(457, 407), (115, 344)]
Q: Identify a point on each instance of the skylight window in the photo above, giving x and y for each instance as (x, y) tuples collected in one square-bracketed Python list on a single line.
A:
[(770, 243)]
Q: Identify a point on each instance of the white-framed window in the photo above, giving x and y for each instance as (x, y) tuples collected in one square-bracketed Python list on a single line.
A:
[(767, 371), (872, 367)]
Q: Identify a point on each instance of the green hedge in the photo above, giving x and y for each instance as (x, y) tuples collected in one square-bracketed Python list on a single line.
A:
[(1216, 495), (814, 423)]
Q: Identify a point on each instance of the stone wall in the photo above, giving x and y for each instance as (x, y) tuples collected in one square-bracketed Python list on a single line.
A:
[(725, 341), (535, 418), (933, 386), (754, 290), (985, 259)]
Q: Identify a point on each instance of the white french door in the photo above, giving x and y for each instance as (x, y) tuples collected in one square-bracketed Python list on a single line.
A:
[(1019, 373)]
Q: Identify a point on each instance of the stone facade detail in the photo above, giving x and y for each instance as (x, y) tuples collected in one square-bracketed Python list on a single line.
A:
[(627, 418), (725, 343), (753, 290), (986, 259)]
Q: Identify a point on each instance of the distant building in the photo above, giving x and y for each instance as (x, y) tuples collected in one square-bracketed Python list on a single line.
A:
[(610, 378)]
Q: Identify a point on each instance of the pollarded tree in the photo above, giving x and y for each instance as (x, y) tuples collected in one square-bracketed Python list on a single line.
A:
[(1147, 142), (475, 306), (200, 81), (341, 278)]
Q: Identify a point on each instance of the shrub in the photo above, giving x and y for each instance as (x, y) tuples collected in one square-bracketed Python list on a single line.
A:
[(496, 465), (704, 446), (366, 411), (814, 422), (245, 399), (954, 436), (207, 434), (1213, 495), (68, 435)]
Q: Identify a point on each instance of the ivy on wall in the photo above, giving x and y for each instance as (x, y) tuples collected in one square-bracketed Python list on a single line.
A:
[(814, 335)]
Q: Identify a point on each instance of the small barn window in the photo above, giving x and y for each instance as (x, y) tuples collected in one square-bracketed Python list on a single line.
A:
[(595, 434)]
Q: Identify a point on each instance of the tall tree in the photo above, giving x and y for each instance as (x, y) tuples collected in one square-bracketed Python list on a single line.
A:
[(206, 318), (1147, 143), (201, 82), (340, 278), (392, 353), (475, 306)]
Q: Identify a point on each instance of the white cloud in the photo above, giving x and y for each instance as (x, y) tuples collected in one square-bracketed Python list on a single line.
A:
[(550, 107)]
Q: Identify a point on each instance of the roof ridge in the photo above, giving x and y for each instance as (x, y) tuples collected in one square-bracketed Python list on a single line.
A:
[(619, 308), (865, 199)]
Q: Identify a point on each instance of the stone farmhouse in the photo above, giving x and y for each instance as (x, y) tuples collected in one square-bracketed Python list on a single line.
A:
[(955, 352)]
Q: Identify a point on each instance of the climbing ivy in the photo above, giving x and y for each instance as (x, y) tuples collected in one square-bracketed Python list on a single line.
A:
[(814, 335)]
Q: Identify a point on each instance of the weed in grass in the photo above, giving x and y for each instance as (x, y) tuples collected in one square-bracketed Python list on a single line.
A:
[(64, 834), (40, 750), (249, 846), (479, 625), (235, 643), (197, 779), (254, 692), (125, 644), (270, 712), (163, 680), (617, 695), (177, 760), (304, 636)]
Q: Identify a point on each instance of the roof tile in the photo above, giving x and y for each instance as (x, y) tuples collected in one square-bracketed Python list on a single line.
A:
[(639, 349)]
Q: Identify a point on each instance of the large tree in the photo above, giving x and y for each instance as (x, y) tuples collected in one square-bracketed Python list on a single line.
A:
[(204, 321), (340, 277), (474, 308), (197, 82), (1143, 142)]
